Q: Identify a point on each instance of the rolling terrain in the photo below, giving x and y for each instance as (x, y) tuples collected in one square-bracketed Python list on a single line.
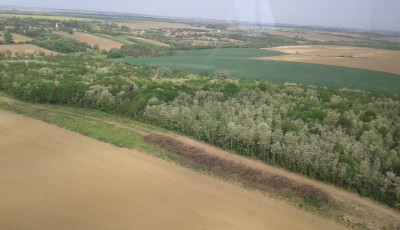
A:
[(45, 143), (128, 122), (70, 178)]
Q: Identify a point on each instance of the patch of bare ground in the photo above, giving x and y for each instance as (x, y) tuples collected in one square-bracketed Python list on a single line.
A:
[(252, 177), (25, 49), (92, 40), (346, 56), (52, 178)]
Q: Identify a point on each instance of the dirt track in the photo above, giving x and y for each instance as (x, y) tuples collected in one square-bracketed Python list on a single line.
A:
[(56, 179)]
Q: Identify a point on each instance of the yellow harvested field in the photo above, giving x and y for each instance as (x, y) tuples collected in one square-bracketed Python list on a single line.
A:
[(52, 178), (346, 56), (26, 49), (151, 41), (21, 38), (17, 38), (92, 40)]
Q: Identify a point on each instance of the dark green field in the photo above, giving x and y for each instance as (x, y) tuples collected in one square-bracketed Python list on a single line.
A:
[(238, 63)]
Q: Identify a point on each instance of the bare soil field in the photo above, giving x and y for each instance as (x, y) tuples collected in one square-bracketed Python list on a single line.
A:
[(26, 49), (92, 40), (354, 57), (254, 178), (52, 178)]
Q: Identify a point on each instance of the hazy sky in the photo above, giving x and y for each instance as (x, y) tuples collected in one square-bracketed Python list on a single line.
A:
[(365, 14)]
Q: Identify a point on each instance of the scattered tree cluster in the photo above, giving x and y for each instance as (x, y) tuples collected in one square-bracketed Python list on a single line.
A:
[(60, 44), (140, 50)]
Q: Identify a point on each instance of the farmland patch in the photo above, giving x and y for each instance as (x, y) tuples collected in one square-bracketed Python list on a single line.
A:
[(241, 63), (25, 49), (92, 40)]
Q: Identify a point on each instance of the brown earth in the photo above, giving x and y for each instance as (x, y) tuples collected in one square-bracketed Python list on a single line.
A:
[(26, 49), (92, 40), (236, 171), (52, 178), (353, 57)]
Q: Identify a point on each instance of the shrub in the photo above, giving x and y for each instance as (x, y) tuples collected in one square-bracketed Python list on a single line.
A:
[(289, 126)]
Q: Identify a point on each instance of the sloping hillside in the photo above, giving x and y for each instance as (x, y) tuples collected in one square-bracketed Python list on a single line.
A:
[(56, 179)]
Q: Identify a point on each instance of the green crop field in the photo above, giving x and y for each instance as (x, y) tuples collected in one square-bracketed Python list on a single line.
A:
[(119, 39), (239, 64)]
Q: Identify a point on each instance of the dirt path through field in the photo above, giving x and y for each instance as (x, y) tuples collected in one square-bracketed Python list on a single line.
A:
[(52, 178)]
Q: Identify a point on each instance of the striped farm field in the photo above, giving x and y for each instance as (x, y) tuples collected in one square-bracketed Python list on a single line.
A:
[(104, 43), (145, 40), (119, 39)]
